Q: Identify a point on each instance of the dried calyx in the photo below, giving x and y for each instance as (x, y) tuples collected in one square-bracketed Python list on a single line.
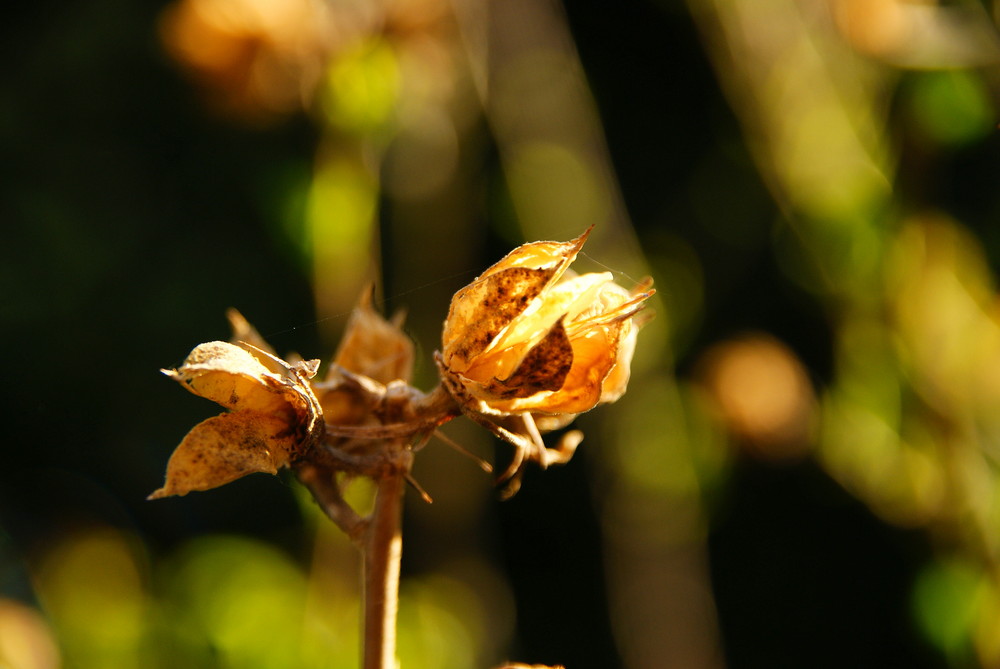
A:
[(529, 345)]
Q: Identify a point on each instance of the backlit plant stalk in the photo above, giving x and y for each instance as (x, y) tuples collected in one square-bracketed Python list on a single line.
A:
[(525, 348)]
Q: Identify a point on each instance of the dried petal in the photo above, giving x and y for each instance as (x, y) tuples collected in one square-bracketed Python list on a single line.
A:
[(594, 356), (562, 302), (616, 381), (224, 448)]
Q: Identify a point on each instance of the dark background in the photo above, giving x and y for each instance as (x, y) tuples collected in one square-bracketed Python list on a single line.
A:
[(132, 219)]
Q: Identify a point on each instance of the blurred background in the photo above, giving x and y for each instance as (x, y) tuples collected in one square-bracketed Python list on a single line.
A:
[(804, 472)]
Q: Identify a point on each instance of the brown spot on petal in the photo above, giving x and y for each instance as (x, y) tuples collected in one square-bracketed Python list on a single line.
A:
[(545, 367)]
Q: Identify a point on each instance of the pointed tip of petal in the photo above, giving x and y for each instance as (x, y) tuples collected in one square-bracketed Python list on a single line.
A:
[(236, 320), (577, 244), (367, 298)]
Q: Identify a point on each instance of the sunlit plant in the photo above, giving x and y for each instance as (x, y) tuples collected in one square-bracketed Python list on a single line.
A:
[(525, 348)]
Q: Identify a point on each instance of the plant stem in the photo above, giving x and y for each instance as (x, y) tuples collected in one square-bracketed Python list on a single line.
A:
[(381, 586), (323, 486)]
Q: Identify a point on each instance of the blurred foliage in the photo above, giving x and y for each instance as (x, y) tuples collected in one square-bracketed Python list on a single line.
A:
[(804, 471)]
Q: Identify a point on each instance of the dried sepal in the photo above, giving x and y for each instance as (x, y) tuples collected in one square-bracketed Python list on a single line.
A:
[(227, 447), (274, 416), (486, 307), (243, 331), (375, 347), (374, 353), (348, 398)]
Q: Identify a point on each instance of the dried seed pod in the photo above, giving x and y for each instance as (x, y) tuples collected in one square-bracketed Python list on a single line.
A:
[(528, 345)]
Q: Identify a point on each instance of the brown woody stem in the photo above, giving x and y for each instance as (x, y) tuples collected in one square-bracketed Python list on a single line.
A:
[(381, 585), (383, 453)]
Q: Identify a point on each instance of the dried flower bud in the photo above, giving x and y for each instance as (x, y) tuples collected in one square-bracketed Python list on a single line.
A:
[(528, 337), (374, 346), (374, 352)]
